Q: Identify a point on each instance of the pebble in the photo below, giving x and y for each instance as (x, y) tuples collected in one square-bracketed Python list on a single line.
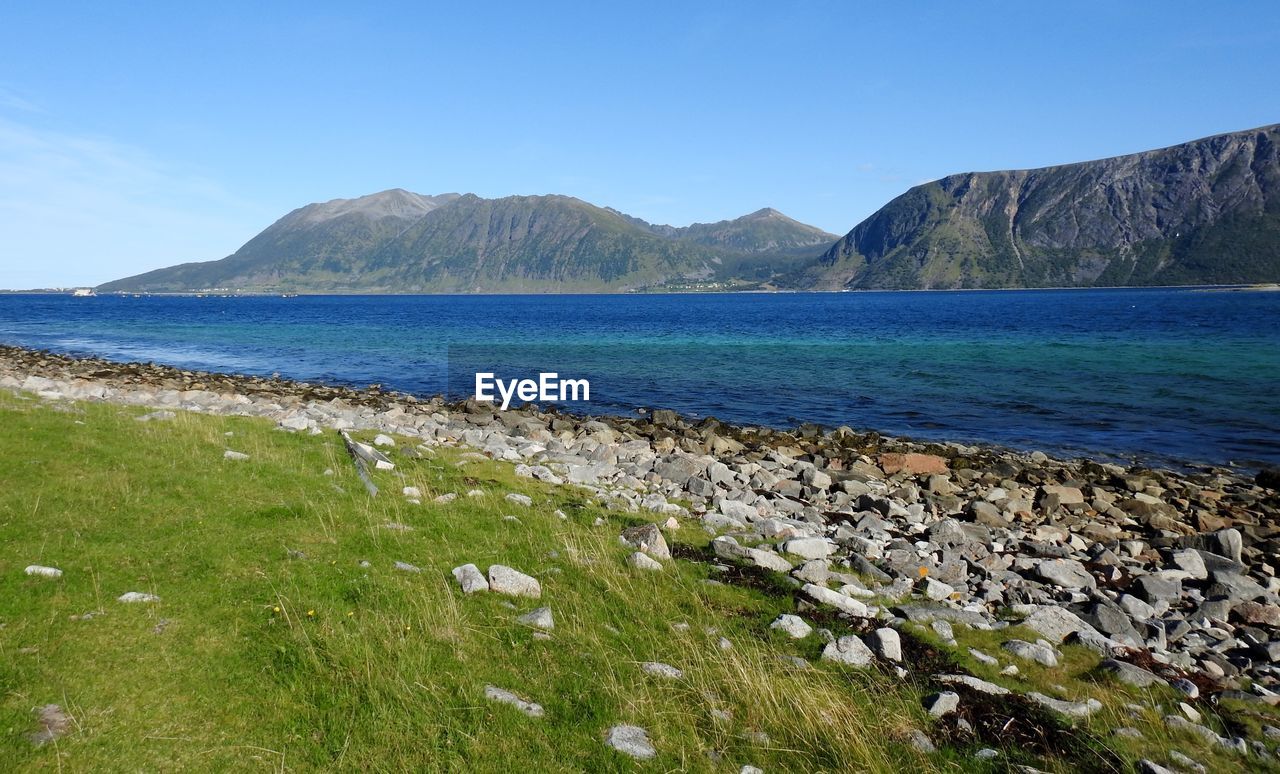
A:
[(502, 696), (630, 740)]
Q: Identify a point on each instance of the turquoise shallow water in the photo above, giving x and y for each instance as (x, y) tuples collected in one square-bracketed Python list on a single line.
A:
[(1181, 375)]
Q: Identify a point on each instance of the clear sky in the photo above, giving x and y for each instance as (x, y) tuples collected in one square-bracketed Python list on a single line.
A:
[(135, 135)]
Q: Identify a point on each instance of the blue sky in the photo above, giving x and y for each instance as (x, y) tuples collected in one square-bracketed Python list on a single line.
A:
[(139, 137)]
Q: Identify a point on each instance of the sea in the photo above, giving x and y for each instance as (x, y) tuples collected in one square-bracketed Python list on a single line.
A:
[(1187, 376)]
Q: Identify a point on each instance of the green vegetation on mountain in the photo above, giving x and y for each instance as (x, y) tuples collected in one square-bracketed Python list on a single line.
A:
[(400, 242), (1205, 212)]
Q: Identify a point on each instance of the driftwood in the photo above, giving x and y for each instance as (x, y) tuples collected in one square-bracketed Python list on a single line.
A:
[(361, 455)]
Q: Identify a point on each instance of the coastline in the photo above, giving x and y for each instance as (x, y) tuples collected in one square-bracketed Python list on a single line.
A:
[(1161, 581)]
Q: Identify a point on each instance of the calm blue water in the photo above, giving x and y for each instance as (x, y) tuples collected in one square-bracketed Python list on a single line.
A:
[(1179, 375)]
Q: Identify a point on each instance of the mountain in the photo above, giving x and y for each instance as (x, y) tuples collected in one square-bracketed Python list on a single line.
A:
[(1205, 212), (397, 241)]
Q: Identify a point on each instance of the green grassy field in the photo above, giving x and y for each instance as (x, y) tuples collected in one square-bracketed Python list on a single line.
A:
[(273, 648)]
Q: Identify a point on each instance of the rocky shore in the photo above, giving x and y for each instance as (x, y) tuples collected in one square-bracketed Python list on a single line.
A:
[(1170, 575)]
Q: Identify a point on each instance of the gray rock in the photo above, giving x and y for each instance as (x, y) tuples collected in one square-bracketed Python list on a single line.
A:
[(540, 618), (826, 596), (1189, 561), (504, 580), (886, 643), (494, 693), (1185, 687), (920, 740), (54, 722), (794, 626), (648, 538), (977, 684), (848, 650), (630, 740), (1146, 766), (808, 548), (659, 669), (406, 567), (935, 589), (134, 597), (1130, 674), (1155, 589), (642, 561), (1073, 709), (1066, 573), (1031, 651), (470, 579), (942, 704), (519, 499), (234, 455), (42, 571), (1055, 623)]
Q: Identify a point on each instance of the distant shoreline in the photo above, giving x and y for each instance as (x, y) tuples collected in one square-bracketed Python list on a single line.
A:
[(1261, 288)]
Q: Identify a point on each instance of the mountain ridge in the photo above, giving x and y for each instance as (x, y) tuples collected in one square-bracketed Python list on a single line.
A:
[(1202, 212), (400, 241)]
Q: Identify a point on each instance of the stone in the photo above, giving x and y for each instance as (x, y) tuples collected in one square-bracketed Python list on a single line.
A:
[(412, 492), (1255, 613), (470, 579), (630, 740), (1146, 766), (974, 683), (913, 464), (1067, 495), (1065, 573), (1190, 562), (793, 626), (659, 669), (493, 693), (921, 741), (42, 571), (234, 455), (504, 580), (446, 498), (540, 618), (849, 650), (384, 440), (1072, 709), (826, 596), (648, 538), (934, 589), (942, 704), (54, 722), (1055, 623), (519, 499), (1031, 651), (406, 567), (642, 561), (886, 643), (1130, 674), (808, 548), (133, 597), (1155, 589)]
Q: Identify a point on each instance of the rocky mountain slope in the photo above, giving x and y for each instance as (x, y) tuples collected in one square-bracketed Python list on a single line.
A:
[(1203, 212), (397, 241)]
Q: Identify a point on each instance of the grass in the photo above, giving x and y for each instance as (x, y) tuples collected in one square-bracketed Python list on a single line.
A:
[(273, 648)]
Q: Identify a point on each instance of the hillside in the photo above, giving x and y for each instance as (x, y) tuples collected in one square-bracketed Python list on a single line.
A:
[(1205, 212), (398, 242)]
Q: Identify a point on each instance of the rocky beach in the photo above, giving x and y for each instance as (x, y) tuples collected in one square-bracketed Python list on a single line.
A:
[(1168, 575)]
